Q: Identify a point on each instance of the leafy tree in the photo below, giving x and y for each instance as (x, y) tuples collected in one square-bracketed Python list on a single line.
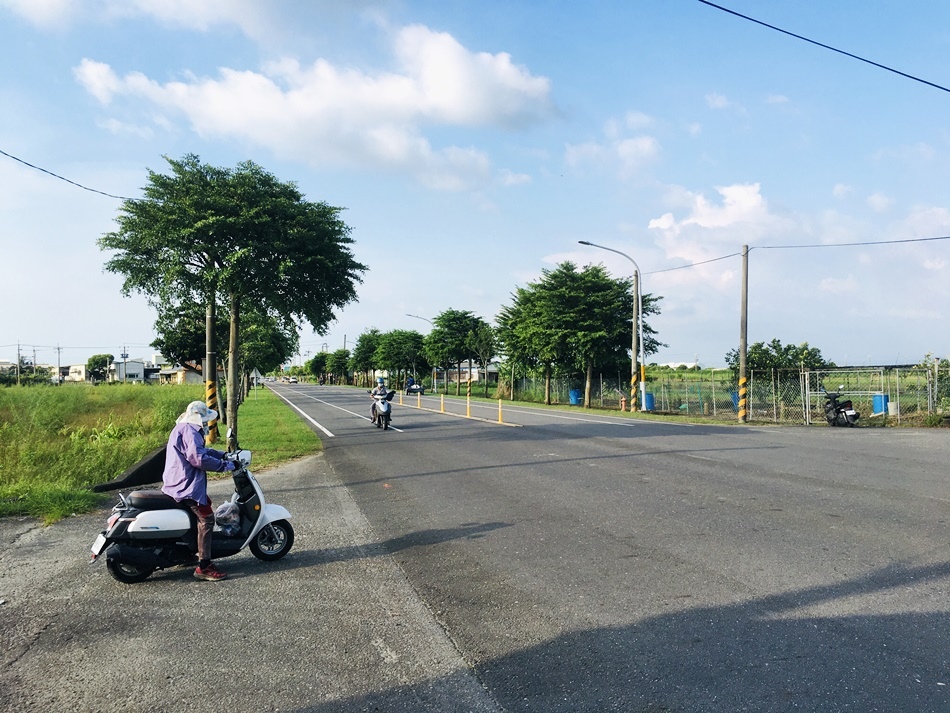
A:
[(204, 231), (97, 366), (181, 334), (482, 343), (338, 363), (401, 350), (317, 366), (574, 320), (363, 360), (266, 342), (765, 357), (447, 343)]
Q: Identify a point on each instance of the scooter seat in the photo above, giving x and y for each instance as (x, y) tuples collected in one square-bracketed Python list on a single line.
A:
[(153, 500)]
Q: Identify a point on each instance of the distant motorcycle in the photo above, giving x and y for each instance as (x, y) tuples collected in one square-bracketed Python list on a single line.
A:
[(839, 413), (382, 411)]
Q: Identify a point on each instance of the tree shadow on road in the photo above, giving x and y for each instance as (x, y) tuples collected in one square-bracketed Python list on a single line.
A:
[(421, 538), (793, 651)]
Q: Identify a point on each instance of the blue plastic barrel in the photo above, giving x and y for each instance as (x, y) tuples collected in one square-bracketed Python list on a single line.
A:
[(879, 403), (649, 403), (575, 397)]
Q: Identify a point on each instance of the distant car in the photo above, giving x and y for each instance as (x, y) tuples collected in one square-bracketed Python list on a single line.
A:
[(415, 389), (293, 379)]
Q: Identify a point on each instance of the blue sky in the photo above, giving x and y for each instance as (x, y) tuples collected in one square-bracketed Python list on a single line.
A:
[(474, 144)]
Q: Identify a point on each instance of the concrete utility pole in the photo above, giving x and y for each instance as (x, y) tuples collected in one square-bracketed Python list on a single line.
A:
[(210, 369), (743, 338)]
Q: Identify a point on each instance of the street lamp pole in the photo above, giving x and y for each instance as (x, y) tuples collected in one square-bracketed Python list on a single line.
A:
[(435, 374), (635, 373)]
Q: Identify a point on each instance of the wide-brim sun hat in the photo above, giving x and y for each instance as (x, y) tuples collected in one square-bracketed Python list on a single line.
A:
[(198, 414)]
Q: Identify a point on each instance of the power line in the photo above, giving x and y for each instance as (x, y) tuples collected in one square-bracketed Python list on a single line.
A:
[(827, 47), (802, 247), (693, 264), (845, 245), (56, 175)]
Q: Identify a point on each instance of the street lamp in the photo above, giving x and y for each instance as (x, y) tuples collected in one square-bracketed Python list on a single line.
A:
[(637, 328), (435, 373)]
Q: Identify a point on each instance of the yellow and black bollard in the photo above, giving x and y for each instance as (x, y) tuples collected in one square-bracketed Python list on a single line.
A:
[(743, 400), (211, 400)]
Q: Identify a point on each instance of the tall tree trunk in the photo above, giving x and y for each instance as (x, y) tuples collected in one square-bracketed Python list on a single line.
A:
[(547, 384), (458, 379), (233, 376), (590, 378)]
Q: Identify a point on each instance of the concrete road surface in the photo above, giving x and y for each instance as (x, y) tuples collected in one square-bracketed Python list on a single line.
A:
[(576, 563)]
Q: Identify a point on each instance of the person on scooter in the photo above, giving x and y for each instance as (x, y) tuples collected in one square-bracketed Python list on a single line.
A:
[(380, 390), (185, 478)]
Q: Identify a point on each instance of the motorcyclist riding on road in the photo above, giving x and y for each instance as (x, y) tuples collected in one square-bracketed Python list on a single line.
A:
[(380, 390)]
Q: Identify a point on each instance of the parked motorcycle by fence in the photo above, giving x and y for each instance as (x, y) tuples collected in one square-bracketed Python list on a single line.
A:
[(839, 413), (148, 530)]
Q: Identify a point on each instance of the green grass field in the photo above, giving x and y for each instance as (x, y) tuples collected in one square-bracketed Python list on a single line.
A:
[(57, 442)]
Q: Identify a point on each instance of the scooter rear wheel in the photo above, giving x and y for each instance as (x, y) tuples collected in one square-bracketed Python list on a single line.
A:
[(128, 573), (273, 541)]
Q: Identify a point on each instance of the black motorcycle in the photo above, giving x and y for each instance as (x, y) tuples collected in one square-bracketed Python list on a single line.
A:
[(839, 413)]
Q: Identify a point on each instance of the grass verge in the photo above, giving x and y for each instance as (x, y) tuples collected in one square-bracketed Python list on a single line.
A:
[(57, 442)]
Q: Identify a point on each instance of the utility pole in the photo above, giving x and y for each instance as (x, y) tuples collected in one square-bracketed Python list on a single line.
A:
[(210, 369), (17, 363), (125, 366), (743, 338)]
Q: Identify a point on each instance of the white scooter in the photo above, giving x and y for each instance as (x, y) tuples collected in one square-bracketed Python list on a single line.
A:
[(148, 530), (382, 411)]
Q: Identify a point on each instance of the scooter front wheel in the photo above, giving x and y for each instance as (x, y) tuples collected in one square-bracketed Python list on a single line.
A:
[(128, 573), (273, 541)]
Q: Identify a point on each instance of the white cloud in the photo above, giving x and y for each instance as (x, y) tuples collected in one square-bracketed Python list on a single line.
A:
[(348, 117), (776, 99), (634, 153), (879, 203), (578, 154), (249, 15), (637, 120), (509, 178), (711, 230), (717, 101), (841, 190), (45, 14), (741, 204), (627, 155), (98, 79), (910, 153)]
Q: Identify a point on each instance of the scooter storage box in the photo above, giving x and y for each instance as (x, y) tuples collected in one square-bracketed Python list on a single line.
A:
[(159, 524)]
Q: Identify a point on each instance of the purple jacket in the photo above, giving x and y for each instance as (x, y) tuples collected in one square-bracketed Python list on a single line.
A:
[(186, 460)]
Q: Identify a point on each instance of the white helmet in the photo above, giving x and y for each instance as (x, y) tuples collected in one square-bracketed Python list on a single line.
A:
[(198, 414)]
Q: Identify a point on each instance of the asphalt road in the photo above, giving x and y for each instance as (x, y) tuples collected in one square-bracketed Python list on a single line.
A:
[(576, 563)]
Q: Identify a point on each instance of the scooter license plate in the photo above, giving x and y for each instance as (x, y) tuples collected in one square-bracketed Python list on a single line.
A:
[(850, 412), (99, 545)]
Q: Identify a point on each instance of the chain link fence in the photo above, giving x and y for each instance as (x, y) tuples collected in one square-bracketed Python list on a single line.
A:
[(908, 395)]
